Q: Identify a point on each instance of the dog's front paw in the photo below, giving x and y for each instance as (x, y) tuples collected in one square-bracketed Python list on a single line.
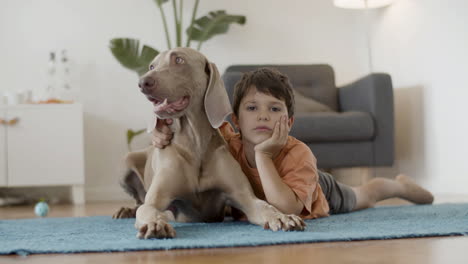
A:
[(285, 222), (125, 212), (158, 229)]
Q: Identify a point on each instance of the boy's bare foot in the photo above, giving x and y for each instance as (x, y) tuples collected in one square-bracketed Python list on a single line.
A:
[(413, 192)]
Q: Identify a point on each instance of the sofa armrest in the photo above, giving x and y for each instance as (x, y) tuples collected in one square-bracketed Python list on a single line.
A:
[(374, 94)]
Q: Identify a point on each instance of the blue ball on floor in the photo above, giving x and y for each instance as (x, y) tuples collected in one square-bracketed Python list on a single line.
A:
[(41, 209)]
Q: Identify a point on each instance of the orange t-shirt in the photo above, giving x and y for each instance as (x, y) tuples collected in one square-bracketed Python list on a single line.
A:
[(297, 167)]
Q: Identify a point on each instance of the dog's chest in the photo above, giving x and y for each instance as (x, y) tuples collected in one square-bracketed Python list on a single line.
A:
[(191, 138)]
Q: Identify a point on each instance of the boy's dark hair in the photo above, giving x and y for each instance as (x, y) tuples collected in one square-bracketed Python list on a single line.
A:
[(267, 81)]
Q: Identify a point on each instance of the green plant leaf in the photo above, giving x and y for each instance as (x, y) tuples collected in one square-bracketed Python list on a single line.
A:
[(160, 2), (128, 52), (131, 134), (215, 23)]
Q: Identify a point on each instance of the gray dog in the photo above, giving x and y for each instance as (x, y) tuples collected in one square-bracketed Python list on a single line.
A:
[(195, 177)]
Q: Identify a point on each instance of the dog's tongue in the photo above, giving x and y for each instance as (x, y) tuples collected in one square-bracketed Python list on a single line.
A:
[(171, 107), (181, 103)]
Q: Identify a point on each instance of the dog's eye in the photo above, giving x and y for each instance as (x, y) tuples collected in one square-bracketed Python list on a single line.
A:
[(179, 60), (151, 67)]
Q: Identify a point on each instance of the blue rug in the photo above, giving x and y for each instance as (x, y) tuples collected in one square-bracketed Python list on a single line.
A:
[(103, 234)]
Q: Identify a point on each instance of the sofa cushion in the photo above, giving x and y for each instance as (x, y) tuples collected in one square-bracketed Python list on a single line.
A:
[(333, 127), (304, 104), (316, 81)]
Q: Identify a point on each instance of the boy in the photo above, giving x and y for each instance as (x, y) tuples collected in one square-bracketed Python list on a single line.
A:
[(281, 169)]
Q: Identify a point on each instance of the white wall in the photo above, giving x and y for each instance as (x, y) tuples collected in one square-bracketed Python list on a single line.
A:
[(423, 44), (297, 31)]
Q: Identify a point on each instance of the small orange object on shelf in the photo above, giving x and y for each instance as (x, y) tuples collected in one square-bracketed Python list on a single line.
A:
[(54, 101)]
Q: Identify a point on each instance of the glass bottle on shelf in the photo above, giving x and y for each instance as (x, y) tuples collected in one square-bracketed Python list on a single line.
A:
[(50, 91), (66, 91)]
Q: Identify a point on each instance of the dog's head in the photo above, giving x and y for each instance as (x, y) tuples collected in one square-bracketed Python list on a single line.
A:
[(181, 80)]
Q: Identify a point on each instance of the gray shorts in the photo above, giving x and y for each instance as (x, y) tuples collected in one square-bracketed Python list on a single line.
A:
[(340, 197)]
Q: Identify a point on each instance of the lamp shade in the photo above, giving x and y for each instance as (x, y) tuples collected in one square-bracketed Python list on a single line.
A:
[(361, 4)]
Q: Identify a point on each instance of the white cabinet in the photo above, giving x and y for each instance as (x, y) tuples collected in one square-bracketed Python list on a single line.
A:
[(42, 145), (3, 150)]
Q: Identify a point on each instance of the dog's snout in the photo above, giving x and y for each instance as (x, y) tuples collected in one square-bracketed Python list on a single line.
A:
[(146, 84)]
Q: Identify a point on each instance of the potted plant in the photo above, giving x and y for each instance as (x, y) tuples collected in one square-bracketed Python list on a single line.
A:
[(133, 56)]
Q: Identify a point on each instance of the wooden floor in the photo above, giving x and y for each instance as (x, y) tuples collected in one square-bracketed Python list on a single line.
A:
[(421, 250)]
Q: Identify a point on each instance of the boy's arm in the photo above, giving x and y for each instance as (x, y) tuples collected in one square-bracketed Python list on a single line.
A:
[(162, 134), (277, 193)]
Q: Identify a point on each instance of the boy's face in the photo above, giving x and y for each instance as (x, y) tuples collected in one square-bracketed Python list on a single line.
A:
[(258, 114)]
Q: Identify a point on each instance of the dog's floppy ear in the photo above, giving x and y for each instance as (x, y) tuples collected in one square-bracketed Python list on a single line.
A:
[(217, 105)]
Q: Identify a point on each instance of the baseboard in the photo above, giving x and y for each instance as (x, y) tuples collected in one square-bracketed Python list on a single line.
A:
[(450, 198), (103, 193), (95, 194)]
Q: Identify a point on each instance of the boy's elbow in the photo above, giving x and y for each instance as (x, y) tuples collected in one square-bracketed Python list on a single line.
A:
[(299, 208), (293, 208)]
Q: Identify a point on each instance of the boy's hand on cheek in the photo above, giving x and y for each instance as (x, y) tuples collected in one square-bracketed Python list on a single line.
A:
[(272, 146)]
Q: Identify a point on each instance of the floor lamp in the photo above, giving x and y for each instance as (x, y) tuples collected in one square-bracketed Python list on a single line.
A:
[(364, 4)]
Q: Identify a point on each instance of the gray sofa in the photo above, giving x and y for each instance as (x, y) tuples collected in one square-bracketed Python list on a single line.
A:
[(360, 129)]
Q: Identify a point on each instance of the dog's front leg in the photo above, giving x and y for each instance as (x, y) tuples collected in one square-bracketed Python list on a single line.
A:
[(152, 219), (153, 223), (169, 181), (262, 213)]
